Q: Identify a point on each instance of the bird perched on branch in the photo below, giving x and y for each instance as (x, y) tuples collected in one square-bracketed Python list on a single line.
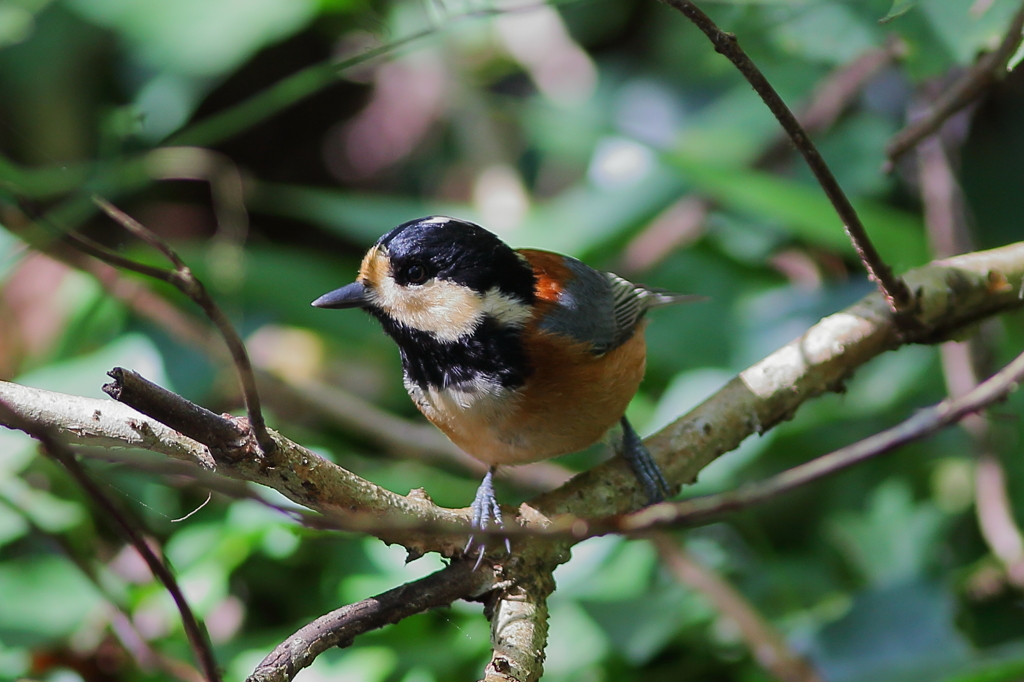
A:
[(517, 356)]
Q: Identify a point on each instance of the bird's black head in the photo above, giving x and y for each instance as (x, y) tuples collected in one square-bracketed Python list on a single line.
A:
[(440, 276), (456, 251)]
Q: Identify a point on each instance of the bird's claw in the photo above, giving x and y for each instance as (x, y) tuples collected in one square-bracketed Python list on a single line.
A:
[(486, 513)]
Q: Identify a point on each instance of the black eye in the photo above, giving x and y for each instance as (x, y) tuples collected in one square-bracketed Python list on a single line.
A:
[(415, 274)]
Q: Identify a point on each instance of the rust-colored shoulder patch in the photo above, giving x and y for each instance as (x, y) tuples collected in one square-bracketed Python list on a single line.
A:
[(550, 271), (375, 266)]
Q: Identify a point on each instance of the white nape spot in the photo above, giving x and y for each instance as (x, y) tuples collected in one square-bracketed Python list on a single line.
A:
[(507, 310), (618, 163)]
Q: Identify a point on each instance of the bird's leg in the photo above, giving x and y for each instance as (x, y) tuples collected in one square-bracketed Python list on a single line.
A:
[(643, 465), (486, 512)]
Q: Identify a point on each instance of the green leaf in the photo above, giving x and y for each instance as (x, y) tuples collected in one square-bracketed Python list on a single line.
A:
[(85, 375), (1002, 671), (806, 213), (899, 8), (964, 32), (584, 217), (198, 37), (53, 598), (826, 32), (893, 539), (903, 632), (639, 628)]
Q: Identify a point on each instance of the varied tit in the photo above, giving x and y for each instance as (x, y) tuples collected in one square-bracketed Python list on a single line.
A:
[(517, 356)]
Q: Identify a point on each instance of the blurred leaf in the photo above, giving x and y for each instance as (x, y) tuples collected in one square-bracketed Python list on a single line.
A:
[(965, 32), (49, 512), (899, 8), (53, 598), (687, 390), (894, 539), (1016, 59), (10, 252), (198, 37), (639, 628), (826, 31), (366, 664), (888, 380), (607, 569), (574, 640), (14, 663), (85, 375), (358, 216), (584, 217), (391, 571), (805, 211), (903, 632), (731, 131), (12, 525), (1001, 671)]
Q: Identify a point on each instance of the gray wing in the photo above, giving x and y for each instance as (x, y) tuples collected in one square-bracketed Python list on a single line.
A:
[(583, 307)]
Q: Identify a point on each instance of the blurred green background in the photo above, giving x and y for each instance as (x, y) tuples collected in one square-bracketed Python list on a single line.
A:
[(606, 129)]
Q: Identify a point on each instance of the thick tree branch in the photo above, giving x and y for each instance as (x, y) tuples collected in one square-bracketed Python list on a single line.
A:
[(896, 292), (340, 627), (302, 476), (519, 626)]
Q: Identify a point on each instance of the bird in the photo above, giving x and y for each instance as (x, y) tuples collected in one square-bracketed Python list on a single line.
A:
[(516, 355)]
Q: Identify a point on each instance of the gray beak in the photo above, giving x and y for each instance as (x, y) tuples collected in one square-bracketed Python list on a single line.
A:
[(349, 296)]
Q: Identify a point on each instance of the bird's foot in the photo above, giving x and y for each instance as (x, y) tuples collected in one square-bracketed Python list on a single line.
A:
[(643, 465), (486, 514)]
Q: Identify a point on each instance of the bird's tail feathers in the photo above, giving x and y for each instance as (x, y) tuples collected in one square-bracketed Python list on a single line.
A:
[(656, 298)]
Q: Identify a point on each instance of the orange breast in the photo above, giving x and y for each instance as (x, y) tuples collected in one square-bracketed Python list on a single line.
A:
[(572, 399)]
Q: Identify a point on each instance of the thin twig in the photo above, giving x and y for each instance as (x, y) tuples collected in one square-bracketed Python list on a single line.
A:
[(189, 285), (340, 627), (194, 630), (767, 645), (988, 70), (894, 289), (702, 510)]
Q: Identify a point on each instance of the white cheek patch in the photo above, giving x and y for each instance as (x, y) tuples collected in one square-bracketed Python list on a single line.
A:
[(444, 309)]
